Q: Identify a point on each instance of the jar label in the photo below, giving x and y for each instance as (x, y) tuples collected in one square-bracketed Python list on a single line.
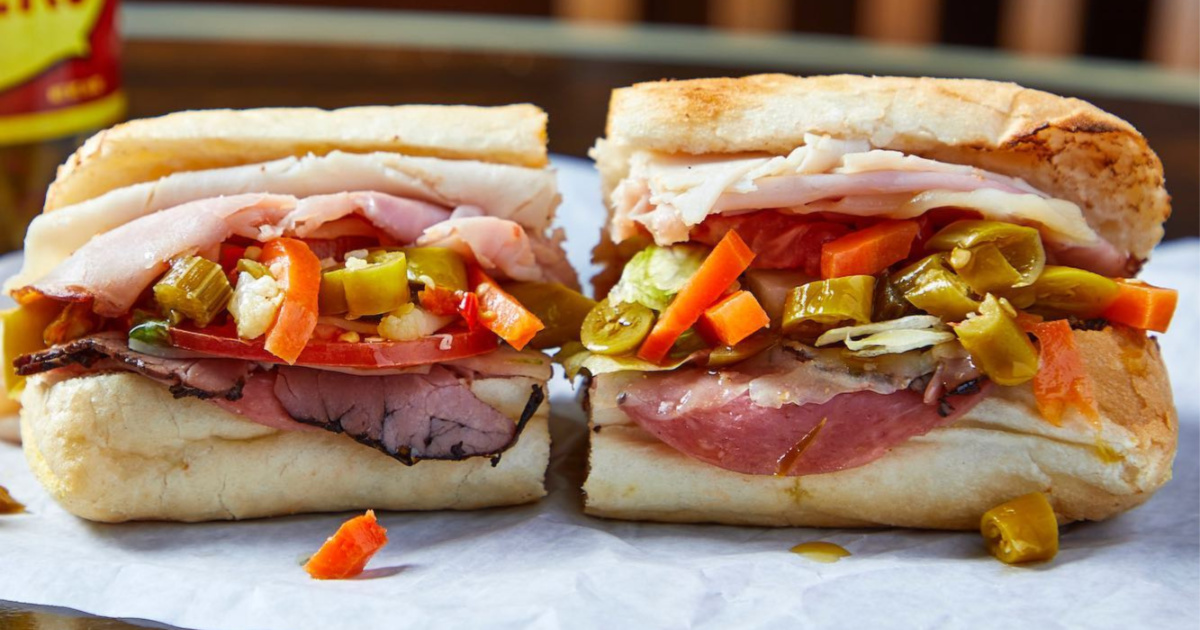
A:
[(59, 74)]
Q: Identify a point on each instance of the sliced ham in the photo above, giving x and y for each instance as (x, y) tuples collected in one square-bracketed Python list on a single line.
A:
[(501, 244), (400, 218), (115, 267)]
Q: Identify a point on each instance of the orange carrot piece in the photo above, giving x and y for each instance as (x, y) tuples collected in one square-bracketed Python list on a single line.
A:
[(734, 318), (345, 553), (1061, 378), (502, 313), (724, 264), (1142, 306), (298, 273), (868, 251)]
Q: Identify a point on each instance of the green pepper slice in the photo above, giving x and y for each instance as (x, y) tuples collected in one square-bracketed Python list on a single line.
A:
[(252, 267), (371, 289), (436, 267), (616, 328), (196, 288), (1020, 246), (939, 292), (985, 269), (998, 346), (813, 308), (1062, 291), (560, 309), (331, 300), (728, 355)]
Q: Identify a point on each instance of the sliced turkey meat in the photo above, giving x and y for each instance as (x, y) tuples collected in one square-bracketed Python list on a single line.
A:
[(527, 196), (666, 196), (114, 268)]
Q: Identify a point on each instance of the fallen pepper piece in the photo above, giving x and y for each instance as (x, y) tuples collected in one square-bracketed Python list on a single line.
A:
[(9, 505), (345, 553), (1022, 530)]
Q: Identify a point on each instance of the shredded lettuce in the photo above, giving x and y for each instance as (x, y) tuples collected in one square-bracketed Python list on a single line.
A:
[(891, 337), (655, 274), (575, 359)]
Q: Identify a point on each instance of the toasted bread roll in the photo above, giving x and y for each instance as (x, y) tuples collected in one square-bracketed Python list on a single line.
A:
[(119, 447), (945, 479)]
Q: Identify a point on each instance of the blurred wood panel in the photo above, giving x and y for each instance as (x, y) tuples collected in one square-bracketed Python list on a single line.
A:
[(165, 77), (900, 21), (613, 11), (753, 16), (1042, 27), (1174, 38)]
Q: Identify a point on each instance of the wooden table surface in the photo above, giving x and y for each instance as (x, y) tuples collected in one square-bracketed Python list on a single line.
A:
[(167, 76)]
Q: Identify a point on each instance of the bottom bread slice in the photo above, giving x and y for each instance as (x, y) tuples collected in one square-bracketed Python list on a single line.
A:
[(117, 447), (945, 479)]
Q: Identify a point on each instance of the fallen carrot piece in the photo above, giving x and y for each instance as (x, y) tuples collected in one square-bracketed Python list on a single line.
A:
[(724, 264), (1142, 306), (868, 251), (733, 319), (345, 553)]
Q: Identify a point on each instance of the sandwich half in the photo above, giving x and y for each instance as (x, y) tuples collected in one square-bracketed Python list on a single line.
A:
[(237, 314), (860, 301)]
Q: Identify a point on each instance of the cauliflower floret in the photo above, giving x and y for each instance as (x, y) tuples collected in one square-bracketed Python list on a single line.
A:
[(254, 304), (411, 322)]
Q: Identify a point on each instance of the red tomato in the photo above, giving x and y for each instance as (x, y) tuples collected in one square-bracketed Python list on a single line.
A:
[(222, 342), (778, 240)]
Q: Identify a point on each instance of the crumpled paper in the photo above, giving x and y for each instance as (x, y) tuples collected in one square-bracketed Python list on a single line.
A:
[(548, 565)]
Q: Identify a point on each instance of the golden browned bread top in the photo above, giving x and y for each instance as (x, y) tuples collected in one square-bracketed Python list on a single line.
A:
[(147, 149), (1063, 146)]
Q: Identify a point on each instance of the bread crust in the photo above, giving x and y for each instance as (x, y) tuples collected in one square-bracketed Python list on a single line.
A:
[(144, 150), (945, 479), (118, 447), (1064, 146)]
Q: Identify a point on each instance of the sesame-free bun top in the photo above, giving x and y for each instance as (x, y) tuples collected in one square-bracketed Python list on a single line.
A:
[(1063, 146), (147, 149)]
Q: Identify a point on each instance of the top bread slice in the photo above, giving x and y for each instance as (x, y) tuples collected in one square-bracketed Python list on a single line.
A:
[(1063, 146), (145, 150)]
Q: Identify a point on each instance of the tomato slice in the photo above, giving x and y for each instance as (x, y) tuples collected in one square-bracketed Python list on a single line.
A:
[(363, 355)]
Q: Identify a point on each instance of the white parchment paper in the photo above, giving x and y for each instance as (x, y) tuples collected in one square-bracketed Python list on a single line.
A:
[(548, 565)]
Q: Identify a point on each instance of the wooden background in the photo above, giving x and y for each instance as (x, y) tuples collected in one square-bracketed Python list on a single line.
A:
[(167, 76)]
